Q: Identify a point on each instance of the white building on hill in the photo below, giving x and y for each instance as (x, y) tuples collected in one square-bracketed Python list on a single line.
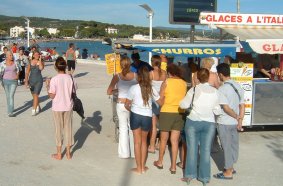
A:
[(16, 31), (110, 30), (140, 37), (52, 30)]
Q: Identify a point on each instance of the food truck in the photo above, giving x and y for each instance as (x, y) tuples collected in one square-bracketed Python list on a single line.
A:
[(264, 34)]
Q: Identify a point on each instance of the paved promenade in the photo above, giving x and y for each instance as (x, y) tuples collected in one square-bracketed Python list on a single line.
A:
[(28, 141)]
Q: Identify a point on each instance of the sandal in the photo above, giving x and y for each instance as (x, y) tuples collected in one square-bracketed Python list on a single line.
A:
[(221, 176), (155, 163), (172, 171), (180, 165)]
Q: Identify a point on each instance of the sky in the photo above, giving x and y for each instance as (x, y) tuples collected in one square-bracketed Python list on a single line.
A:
[(122, 11)]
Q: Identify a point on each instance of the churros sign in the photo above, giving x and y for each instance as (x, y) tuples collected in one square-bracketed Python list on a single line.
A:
[(241, 19)]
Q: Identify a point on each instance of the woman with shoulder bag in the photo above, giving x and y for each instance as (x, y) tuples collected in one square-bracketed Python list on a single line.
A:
[(200, 127)]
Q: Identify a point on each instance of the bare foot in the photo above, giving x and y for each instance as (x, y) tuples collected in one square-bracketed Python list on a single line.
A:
[(56, 156), (135, 170), (69, 156), (144, 170)]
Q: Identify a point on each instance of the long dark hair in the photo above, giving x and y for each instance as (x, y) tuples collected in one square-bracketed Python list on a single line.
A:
[(144, 81)]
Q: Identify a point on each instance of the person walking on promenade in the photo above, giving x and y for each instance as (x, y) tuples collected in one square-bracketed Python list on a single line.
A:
[(200, 127), (139, 102), (23, 61), (60, 89), (123, 81), (171, 116), (71, 58), (34, 80), (9, 74), (230, 122), (213, 77), (158, 77)]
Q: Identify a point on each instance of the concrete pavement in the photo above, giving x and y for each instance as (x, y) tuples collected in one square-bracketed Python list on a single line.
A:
[(27, 143)]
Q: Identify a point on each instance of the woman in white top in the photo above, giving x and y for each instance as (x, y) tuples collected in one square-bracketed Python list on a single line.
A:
[(200, 127), (123, 81), (139, 102), (158, 77)]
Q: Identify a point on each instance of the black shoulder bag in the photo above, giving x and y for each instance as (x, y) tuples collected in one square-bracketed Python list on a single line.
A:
[(188, 110), (77, 103)]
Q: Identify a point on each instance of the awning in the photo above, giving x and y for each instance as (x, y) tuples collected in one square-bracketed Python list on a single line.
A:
[(266, 46), (262, 39), (190, 50), (254, 32)]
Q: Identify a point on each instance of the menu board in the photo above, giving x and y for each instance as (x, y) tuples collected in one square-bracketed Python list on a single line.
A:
[(243, 74), (112, 63)]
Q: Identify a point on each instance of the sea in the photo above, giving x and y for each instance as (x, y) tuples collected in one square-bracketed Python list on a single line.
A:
[(94, 47)]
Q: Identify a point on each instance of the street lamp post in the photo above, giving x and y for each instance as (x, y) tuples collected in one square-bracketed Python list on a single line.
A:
[(27, 29), (150, 16)]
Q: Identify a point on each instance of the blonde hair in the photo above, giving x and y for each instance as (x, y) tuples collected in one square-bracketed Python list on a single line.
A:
[(125, 64), (207, 63)]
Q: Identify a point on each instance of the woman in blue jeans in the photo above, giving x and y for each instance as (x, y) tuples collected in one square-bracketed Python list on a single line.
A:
[(9, 72), (200, 127)]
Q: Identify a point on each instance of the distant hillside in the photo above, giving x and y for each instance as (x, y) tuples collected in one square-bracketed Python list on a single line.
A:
[(90, 29)]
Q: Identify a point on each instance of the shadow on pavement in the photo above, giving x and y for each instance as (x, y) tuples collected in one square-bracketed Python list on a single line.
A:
[(80, 74), (274, 144), (87, 126), (28, 104)]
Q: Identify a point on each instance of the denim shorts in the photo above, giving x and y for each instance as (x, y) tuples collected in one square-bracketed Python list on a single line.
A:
[(139, 121)]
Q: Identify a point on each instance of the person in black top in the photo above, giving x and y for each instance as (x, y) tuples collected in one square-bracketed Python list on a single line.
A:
[(137, 63), (3, 56)]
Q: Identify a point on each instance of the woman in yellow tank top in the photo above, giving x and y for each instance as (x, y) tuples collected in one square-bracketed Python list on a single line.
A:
[(171, 116)]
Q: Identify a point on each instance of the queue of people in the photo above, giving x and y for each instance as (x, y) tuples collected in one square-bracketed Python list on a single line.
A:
[(149, 99), (156, 100)]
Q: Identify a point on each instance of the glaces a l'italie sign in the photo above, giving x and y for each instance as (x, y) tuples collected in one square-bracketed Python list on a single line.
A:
[(241, 19)]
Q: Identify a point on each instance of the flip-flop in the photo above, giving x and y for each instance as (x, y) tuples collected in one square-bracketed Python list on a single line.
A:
[(152, 152), (155, 163), (222, 177)]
